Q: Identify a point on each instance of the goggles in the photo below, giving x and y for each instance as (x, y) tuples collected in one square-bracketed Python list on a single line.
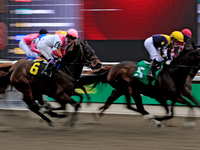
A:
[(73, 38), (176, 41), (186, 38)]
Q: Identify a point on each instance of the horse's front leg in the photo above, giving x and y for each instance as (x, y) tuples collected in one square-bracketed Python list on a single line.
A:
[(140, 108), (163, 102), (191, 119), (187, 93), (67, 98)]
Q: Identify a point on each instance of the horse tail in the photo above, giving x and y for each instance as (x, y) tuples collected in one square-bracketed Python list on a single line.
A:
[(5, 68), (5, 79), (88, 79)]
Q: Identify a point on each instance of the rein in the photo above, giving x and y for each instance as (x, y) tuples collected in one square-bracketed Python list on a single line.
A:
[(184, 66), (66, 75), (75, 63)]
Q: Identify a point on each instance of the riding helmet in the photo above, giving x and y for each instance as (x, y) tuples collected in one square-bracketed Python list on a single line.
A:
[(187, 32), (178, 36), (72, 32), (43, 31)]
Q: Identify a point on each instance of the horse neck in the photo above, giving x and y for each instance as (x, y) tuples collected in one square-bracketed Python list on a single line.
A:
[(182, 68), (180, 74), (75, 70), (193, 72), (74, 63)]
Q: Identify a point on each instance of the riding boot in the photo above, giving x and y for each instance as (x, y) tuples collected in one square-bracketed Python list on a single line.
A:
[(153, 68), (47, 71)]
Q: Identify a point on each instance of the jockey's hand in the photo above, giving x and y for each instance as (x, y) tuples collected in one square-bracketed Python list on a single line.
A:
[(56, 53), (168, 62), (63, 51)]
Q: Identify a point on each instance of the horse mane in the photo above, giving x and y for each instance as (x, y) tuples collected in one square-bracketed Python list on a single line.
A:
[(71, 52), (188, 50)]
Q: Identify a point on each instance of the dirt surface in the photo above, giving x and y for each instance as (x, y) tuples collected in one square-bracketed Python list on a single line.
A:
[(20, 131)]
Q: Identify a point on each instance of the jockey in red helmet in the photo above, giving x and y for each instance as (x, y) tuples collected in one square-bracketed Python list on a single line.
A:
[(187, 34)]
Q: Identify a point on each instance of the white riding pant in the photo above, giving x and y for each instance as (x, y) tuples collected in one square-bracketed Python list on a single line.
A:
[(26, 48), (153, 52), (45, 49)]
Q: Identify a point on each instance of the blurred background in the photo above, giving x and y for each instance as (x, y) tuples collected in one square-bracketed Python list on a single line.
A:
[(115, 29)]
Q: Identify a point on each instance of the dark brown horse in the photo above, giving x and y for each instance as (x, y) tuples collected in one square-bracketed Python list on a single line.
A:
[(26, 79), (5, 68), (169, 85)]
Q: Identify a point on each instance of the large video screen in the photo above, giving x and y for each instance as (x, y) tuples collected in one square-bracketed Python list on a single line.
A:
[(137, 19), (114, 28)]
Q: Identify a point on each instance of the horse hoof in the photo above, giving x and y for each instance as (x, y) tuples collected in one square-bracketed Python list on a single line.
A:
[(72, 124), (189, 124), (157, 123), (160, 125), (96, 116), (148, 117), (51, 124)]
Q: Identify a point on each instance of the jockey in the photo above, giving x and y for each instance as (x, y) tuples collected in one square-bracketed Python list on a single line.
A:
[(27, 44), (37, 43), (187, 35), (53, 46), (157, 44)]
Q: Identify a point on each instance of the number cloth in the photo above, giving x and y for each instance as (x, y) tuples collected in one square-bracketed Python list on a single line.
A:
[(142, 70)]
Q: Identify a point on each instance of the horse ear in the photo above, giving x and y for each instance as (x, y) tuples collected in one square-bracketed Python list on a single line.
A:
[(85, 42), (79, 40), (194, 45)]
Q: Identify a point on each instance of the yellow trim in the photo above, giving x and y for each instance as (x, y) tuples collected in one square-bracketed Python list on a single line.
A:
[(39, 60), (18, 51), (168, 38)]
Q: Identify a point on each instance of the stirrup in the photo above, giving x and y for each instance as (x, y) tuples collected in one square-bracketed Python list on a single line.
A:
[(150, 75), (44, 72)]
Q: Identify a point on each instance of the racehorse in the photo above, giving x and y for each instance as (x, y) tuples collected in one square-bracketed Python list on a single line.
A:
[(6, 67), (168, 86), (26, 78)]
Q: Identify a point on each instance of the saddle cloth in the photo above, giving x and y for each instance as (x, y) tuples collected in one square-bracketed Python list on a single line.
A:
[(37, 67), (142, 70)]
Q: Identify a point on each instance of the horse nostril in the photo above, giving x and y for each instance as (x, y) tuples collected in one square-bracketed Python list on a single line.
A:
[(98, 66)]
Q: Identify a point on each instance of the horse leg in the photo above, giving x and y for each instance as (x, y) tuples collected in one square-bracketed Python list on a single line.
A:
[(167, 117), (66, 98), (23, 85), (84, 90), (114, 95), (190, 119), (188, 94), (77, 94), (138, 101), (128, 102), (34, 108)]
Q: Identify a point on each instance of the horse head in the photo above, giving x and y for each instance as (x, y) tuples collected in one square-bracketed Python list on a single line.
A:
[(90, 55), (189, 56)]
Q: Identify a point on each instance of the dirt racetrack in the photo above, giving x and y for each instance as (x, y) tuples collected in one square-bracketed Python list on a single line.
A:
[(19, 131)]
